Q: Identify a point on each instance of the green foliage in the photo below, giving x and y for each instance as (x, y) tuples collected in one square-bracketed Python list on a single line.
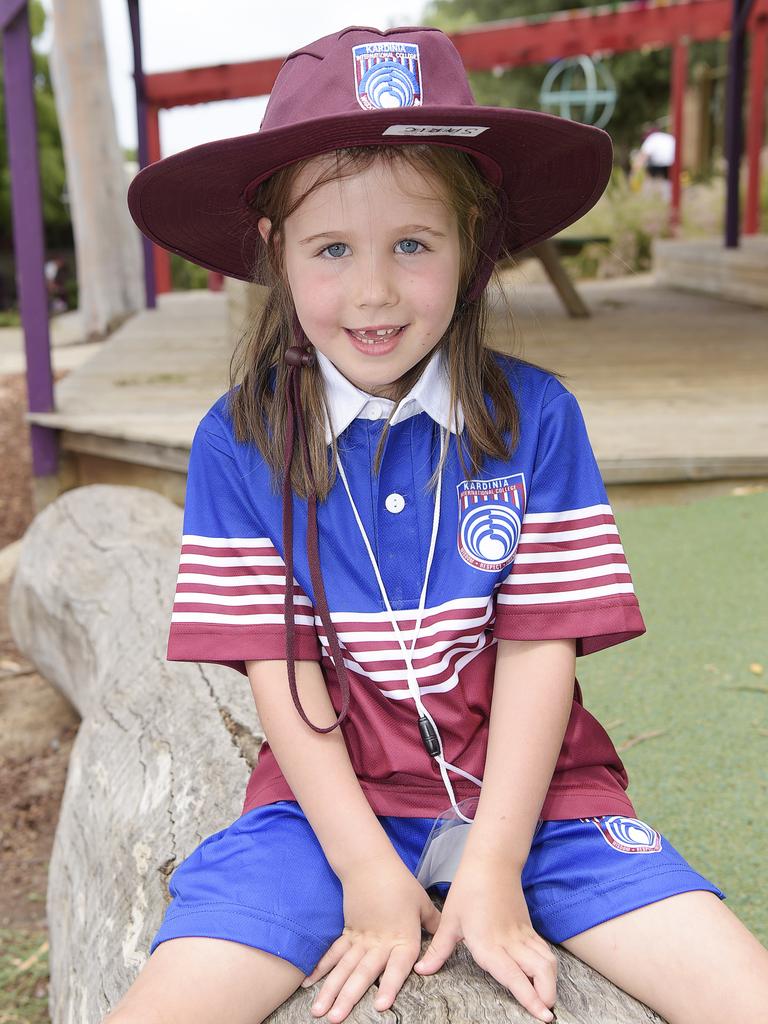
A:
[(186, 275), (56, 216), (23, 977), (631, 219)]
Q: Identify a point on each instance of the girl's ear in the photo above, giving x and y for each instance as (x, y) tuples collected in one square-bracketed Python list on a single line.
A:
[(265, 226)]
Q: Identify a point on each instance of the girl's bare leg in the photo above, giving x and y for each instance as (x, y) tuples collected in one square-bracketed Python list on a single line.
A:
[(688, 957), (193, 980)]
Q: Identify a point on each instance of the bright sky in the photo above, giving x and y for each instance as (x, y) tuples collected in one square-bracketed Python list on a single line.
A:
[(194, 33)]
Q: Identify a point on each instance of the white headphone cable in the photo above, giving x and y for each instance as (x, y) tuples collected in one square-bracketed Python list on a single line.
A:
[(427, 726)]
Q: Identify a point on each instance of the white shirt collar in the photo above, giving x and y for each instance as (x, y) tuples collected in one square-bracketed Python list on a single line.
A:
[(431, 394)]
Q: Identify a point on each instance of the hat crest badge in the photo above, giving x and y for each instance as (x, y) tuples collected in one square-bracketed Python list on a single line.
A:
[(387, 75)]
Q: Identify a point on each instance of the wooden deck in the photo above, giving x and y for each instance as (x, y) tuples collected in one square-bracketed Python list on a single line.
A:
[(673, 385), (706, 265)]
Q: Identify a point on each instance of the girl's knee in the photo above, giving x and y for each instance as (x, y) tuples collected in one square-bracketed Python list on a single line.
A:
[(197, 980)]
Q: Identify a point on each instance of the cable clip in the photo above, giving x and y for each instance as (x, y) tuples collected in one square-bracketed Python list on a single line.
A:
[(429, 736)]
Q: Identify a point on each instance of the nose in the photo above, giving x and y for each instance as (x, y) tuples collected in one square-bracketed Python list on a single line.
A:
[(374, 282)]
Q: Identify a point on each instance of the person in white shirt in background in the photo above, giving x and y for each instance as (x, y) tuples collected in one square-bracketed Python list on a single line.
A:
[(655, 155)]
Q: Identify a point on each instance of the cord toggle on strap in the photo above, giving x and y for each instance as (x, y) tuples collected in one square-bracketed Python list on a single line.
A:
[(428, 736), (296, 356)]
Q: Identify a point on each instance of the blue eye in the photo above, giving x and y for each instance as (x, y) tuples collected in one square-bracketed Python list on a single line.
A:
[(337, 246), (411, 247), (410, 242)]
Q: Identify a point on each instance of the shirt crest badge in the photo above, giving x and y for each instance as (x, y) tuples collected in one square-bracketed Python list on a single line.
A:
[(490, 520), (627, 835), (387, 75)]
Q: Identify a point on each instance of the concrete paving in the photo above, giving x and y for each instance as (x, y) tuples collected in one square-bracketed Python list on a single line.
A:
[(673, 385)]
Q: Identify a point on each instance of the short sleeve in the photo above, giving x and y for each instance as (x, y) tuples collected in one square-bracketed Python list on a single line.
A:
[(229, 602), (570, 577)]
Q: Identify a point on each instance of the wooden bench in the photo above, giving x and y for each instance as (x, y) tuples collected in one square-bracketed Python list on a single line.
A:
[(549, 252)]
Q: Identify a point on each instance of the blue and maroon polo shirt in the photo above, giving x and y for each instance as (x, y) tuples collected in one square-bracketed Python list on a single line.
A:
[(526, 550)]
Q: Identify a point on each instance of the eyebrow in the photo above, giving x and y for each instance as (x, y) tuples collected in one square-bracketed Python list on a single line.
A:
[(399, 231)]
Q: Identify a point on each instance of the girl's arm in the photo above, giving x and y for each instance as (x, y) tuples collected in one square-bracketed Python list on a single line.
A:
[(531, 704), (317, 766), (486, 907), (383, 918)]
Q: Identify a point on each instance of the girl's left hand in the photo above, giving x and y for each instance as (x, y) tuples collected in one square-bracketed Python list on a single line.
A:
[(487, 909)]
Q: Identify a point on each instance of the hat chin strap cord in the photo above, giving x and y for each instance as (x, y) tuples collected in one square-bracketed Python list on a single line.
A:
[(430, 736)]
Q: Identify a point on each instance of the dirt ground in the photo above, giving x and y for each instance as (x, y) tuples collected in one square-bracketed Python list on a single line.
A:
[(37, 724)]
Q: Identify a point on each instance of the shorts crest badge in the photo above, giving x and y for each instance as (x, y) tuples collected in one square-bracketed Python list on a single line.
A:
[(490, 519), (627, 835), (387, 75)]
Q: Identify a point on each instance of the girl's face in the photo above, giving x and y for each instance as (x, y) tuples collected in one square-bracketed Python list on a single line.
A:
[(374, 252)]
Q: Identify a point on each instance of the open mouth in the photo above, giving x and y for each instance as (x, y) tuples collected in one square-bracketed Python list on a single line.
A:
[(376, 336)]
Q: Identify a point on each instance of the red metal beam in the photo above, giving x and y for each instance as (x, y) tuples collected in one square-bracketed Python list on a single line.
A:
[(679, 76), (161, 257), (601, 29), (755, 123), (510, 43), (219, 82)]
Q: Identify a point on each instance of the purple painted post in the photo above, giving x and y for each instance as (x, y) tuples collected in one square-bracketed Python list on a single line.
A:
[(141, 117), (26, 207), (734, 131)]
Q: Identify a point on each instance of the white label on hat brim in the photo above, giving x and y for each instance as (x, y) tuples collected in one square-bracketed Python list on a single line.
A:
[(435, 129)]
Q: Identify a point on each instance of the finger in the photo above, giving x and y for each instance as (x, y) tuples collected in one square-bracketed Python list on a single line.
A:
[(542, 947), (328, 960), (438, 951), (335, 981), (397, 970), (430, 916), (357, 984), (509, 973), (540, 968)]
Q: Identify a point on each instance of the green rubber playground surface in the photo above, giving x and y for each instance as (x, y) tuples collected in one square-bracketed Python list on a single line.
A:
[(699, 679)]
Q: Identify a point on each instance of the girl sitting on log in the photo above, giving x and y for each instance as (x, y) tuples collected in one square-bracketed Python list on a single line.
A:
[(402, 537)]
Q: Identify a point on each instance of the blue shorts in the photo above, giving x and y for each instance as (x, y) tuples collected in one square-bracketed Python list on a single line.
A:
[(264, 881)]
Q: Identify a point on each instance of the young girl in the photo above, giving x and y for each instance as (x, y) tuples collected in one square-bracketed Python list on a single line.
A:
[(402, 537)]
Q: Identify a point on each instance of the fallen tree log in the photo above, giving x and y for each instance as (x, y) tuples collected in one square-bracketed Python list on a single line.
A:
[(161, 761)]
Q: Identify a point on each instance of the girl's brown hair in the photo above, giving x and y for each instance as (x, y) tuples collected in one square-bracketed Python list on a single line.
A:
[(259, 412)]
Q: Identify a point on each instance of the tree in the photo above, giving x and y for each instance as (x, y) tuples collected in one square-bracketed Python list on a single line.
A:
[(107, 242)]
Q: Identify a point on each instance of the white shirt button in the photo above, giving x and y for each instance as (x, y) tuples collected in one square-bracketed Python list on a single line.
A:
[(395, 502), (373, 411)]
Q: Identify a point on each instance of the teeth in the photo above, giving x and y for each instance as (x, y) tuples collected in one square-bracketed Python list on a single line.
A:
[(367, 335)]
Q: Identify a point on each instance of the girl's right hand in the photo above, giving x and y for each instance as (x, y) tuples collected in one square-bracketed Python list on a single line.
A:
[(385, 908)]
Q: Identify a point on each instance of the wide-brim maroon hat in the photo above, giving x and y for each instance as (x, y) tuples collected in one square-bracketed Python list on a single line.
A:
[(366, 87)]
